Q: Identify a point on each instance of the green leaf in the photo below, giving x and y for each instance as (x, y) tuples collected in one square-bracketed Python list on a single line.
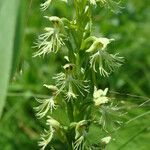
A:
[(18, 35), (95, 134), (8, 19)]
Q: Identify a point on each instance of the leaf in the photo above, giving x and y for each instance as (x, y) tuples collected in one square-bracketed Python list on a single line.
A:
[(8, 19), (18, 36), (94, 135), (61, 116)]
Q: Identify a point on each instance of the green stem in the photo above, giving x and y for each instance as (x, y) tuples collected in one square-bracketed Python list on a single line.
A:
[(94, 77), (69, 146), (70, 111)]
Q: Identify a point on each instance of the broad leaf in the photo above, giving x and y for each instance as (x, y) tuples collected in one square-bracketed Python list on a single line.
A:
[(8, 19)]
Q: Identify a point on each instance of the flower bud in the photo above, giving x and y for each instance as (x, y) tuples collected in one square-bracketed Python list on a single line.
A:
[(51, 87), (54, 123), (106, 140)]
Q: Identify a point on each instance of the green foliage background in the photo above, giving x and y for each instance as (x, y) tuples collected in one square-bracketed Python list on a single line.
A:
[(19, 128)]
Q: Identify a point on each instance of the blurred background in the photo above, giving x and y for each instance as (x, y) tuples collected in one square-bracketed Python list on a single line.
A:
[(20, 129)]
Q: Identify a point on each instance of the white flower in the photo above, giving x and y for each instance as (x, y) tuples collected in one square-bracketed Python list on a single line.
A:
[(93, 2), (80, 128), (99, 96), (107, 62), (53, 38), (110, 117), (47, 3), (80, 133), (46, 138), (113, 5), (50, 41), (45, 106), (103, 2), (69, 84)]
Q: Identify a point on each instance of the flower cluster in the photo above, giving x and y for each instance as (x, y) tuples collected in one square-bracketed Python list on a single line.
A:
[(76, 104)]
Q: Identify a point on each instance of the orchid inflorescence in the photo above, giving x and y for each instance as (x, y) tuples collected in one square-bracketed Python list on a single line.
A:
[(75, 94)]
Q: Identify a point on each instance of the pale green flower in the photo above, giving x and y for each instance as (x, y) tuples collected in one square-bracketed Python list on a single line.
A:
[(110, 117), (57, 127), (93, 2), (45, 106), (47, 3), (99, 96), (80, 133), (69, 84), (53, 38), (80, 128), (44, 46), (113, 5), (50, 41), (46, 138), (107, 62)]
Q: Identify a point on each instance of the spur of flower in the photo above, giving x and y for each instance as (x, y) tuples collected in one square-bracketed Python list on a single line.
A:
[(69, 84), (53, 38), (99, 96), (107, 62)]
